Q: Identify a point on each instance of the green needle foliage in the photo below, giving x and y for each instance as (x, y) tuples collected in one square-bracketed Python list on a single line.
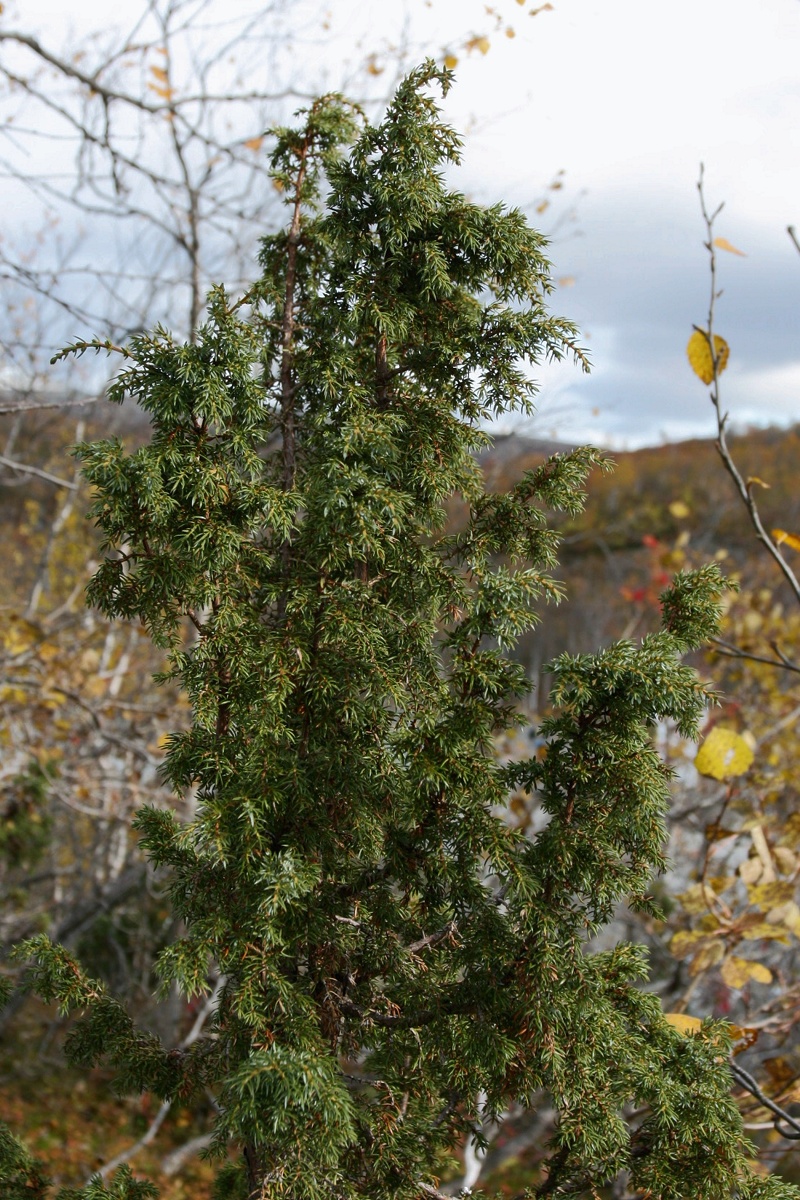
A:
[(397, 961)]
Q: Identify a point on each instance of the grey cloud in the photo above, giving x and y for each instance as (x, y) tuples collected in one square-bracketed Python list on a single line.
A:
[(642, 281)]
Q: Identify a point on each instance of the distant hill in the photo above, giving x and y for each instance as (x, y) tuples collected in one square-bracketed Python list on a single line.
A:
[(634, 499), (657, 504), (653, 498)]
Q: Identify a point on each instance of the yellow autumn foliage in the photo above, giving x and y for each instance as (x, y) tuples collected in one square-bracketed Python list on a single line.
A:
[(737, 972), (723, 244), (788, 539), (723, 755), (698, 352), (683, 1023), (767, 896), (478, 43)]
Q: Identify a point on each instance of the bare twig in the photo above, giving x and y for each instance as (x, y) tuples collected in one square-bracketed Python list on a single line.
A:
[(174, 1162), (744, 489), (728, 650), (746, 1080), (26, 469), (433, 939), (158, 1120), (428, 1190), (34, 406), (145, 1140), (59, 521)]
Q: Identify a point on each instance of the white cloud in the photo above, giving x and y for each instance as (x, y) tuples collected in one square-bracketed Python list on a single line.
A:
[(628, 97), (764, 397)]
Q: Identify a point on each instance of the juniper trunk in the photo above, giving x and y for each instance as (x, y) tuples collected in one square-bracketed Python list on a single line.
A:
[(397, 961)]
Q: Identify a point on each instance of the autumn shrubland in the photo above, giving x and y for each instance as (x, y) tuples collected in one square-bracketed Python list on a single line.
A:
[(84, 727), (89, 740)]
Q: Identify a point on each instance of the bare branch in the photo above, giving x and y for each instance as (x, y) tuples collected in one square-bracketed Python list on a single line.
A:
[(144, 1141), (71, 71), (78, 402), (746, 1080), (730, 651), (147, 1137), (175, 1161), (428, 1190), (744, 489), (25, 469), (433, 939)]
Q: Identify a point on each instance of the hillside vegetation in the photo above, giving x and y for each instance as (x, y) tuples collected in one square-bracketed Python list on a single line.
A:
[(84, 730)]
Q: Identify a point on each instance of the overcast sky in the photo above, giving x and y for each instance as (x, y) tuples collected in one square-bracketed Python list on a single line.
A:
[(626, 97)]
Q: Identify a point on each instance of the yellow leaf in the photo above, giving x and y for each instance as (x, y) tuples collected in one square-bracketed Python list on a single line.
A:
[(736, 972), (791, 830), (724, 244), (566, 281), (164, 92), (709, 923), (373, 68), (679, 509), (542, 8), (450, 61), (751, 479), (717, 833), (745, 1035), (542, 206), (683, 1023), (696, 899), (20, 635), (684, 942), (750, 870), (786, 860), (781, 536), (787, 915), (767, 896), (757, 933), (698, 351), (707, 956), (510, 33), (254, 143), (520, 3), (478, 43), (723, 754), (720, 883), (160, 73)]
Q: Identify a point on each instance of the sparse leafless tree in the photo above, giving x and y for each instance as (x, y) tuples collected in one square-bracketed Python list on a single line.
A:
[(143, 150)]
